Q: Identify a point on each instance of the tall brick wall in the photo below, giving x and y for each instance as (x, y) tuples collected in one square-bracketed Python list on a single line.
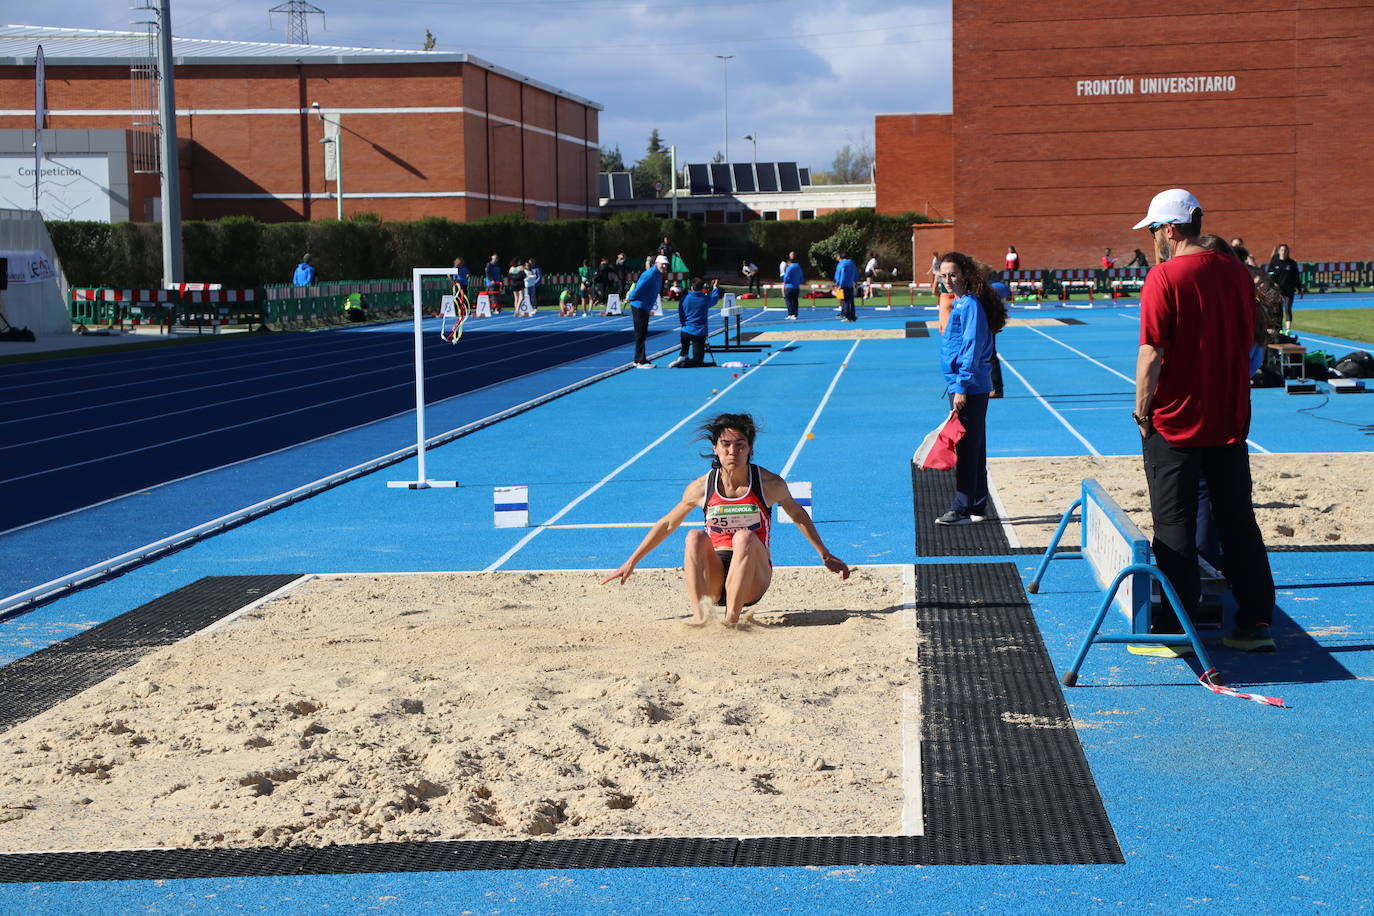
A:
[(248, 132), (1052, 159), (915, 157)]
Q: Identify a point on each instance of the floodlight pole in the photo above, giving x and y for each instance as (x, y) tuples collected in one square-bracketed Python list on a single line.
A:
[(171, 166), (725, 83), (754, 141), (672, 176)]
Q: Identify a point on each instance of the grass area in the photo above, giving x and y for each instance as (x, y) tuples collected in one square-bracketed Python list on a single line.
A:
[(1352, 324)]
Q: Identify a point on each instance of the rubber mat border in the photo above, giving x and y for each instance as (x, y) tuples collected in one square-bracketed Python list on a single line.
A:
[(61, 671), (996, 791), (931, 493)]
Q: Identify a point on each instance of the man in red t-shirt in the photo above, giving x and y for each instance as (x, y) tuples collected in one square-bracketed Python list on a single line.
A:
[(1192, 404)]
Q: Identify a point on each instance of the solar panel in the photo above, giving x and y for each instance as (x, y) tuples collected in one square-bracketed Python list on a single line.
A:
[(621, 186), (603, 181), (788, 179), (744, 178), (720, 178), (806, 177), (699, 179), (767, 173)]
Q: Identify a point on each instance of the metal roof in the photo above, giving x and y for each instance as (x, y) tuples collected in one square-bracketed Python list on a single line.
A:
[(97, 47)]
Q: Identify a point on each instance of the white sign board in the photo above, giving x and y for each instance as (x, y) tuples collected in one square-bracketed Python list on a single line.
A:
[(71, 187), (28, 267)]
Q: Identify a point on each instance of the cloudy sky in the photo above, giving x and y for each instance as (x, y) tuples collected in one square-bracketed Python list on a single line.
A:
[(806, 78)]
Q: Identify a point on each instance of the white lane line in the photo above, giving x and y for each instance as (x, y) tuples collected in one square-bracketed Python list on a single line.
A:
[(271, 596), (913, 813), (1253, 444), (1329, 343), (1012, 540), (1046, 404), (520, 544), (825, 399)]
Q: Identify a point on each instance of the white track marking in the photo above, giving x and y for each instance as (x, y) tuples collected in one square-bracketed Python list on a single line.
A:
[(1255, 445), (996, 498), (1046, 404), (271, 596), (520, 544), (825, 399)]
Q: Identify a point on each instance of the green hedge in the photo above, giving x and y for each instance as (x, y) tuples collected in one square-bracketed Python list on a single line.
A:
[(239, 252)]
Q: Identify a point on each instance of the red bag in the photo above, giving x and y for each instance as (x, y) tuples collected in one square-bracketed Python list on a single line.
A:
[(937, 449)]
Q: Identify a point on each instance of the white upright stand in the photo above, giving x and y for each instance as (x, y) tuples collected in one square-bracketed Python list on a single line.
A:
[(483, 306), (423, 483), (613, 304), (657, 310)]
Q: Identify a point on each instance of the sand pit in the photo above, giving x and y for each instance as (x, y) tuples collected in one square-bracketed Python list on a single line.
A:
[(1300, 500), (488, 706)]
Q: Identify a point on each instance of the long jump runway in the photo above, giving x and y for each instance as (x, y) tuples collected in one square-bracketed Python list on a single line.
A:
[(1209, 803)]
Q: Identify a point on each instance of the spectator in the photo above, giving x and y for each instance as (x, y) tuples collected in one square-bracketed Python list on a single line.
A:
[(533, 277), (694, 312), (515, 281), (1285, 273), (675, 291), (622, 274), (355, 307), (460, 275), (1013, 260), (604, 281), (1139, 260), (642, 298), (666, 251), (567, 303), (305, 272), (492, 271), (791, 285), (1192, 406), (585, 280), (966, 351), (1243, 253), (846, 278), (1108, 262), (751, 272)]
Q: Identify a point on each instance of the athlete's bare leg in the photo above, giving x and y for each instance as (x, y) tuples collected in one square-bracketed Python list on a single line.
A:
[(704, 573), (751, 572)]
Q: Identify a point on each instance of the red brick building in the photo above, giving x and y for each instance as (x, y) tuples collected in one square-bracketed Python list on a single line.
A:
[(424, 133), (1069, 117)]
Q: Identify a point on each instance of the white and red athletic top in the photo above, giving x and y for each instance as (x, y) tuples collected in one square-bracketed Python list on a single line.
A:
[(726, 515)]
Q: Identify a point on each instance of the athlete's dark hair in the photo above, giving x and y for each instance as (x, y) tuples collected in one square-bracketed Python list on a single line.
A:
[(976, 275), (741, 423)]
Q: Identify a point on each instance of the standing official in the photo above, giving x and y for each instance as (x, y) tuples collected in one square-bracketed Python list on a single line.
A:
[(1192, 405)]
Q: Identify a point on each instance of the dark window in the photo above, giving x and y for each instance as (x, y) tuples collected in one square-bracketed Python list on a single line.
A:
[(806, 214)]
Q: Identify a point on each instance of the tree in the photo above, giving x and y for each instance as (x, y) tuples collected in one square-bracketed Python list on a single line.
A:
[(656, 165), (611, 160), (850, 166)]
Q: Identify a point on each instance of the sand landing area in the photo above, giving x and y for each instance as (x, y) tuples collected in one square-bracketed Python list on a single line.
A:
[(485, 706), (1316, 500)]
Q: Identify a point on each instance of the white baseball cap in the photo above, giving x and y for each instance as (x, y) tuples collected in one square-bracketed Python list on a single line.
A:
[(1172, 206)]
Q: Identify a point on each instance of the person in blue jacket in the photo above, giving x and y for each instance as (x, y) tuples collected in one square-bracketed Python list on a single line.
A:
[(694, 310), (846, 278), (305, 272), (791, 285), (966, 362), (642, 298)]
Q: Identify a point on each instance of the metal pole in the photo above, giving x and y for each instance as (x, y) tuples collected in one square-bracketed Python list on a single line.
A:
[(725, 82), (171, 169), (421, 477), (338, 169), (672, 181)]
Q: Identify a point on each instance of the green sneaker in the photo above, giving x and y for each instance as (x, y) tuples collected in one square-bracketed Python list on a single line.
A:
[(1250, 639), (1155, 651)]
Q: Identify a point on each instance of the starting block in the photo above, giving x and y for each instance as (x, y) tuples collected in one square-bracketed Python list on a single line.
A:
[(801, 492), (511, 507)]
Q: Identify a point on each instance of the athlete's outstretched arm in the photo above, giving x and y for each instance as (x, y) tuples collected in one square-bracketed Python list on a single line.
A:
[(776, 491), (691, 499)]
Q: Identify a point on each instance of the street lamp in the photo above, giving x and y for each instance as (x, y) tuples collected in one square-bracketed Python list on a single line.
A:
[(333, 133), (755, 142), (725, 83)]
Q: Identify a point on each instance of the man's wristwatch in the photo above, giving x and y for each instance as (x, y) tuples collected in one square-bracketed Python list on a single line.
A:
[(1140, 420)]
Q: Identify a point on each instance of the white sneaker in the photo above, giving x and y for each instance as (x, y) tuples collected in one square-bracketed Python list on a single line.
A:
[(677, 362), (791, 317), (644, 365)]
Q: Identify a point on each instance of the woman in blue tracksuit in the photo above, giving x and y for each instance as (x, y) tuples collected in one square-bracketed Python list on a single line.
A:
[(966, 352), (694, 310)]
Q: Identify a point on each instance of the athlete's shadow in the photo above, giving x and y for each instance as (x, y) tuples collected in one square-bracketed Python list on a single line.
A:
[(822, 618)]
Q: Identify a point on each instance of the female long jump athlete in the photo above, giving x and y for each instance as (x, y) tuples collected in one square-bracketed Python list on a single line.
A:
[(728, 562)]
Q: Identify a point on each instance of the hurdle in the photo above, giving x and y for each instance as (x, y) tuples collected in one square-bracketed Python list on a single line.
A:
[(913, 288), (1019, 281), (1126, 279), (766, 287), (728, 310), (888, 287), (1119, 556), (1076, 279)]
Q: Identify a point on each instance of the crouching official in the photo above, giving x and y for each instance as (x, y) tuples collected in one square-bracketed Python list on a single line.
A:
[(693, 312)]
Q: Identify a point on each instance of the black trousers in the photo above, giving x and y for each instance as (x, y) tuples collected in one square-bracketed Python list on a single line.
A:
[(1172, 474), (696, 345), (792, 296), (641, 320), (971, 458)]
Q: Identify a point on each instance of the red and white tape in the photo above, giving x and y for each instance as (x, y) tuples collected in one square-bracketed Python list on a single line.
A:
[(1206, 681)]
